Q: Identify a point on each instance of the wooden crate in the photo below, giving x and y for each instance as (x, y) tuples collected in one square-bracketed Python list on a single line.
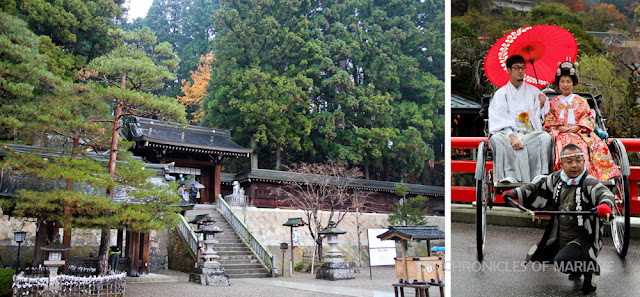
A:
[(421, 269)]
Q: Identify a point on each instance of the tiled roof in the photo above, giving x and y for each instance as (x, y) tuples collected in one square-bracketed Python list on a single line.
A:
[(460, 104), (155, 133), (414, 232), (274, 176)]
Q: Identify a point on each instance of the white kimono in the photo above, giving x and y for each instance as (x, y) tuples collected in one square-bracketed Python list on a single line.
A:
[(517, 110)]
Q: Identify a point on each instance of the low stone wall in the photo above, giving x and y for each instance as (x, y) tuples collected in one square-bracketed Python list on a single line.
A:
[(181, 259), (84, 242), (266, 225), (9, 248), (158, 251)]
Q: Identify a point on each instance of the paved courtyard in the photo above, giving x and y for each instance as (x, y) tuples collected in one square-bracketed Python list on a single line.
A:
[(300, 285)]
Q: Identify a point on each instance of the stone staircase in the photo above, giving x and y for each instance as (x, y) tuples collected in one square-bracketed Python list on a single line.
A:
[(235, 257)]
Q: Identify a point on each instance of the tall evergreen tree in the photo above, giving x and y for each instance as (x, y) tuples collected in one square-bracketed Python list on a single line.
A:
[(380, 64), (360, 61), (188, 26), (258, 86), (126, 77), (81, 28), (66, 121)]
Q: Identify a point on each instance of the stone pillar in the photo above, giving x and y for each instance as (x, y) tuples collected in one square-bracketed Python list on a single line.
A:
[(209, 273), (334, 267)]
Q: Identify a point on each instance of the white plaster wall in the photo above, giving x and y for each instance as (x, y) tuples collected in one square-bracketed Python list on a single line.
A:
[(266, 225)]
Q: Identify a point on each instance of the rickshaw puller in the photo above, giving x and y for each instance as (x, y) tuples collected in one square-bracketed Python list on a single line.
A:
[(571, 242)]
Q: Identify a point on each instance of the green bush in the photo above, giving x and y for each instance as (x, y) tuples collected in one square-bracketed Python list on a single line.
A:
[(6, 281), (299, 267)]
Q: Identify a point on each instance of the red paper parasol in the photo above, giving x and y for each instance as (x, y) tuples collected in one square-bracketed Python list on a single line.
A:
[(541, 46)]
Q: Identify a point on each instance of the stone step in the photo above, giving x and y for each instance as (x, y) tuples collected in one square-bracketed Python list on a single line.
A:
[(228, 234), (232, 249), (229, 241), (241, 266), (249, 275), (229, 244), (234, 256), (238, 261), (233, 253), (237, 271), (222, 242), (243, 257)]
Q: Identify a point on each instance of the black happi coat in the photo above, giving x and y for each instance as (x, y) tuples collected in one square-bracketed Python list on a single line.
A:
[(546, 193)]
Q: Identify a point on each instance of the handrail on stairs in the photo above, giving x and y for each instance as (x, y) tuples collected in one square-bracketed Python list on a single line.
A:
[(264, 256), (187, 234)]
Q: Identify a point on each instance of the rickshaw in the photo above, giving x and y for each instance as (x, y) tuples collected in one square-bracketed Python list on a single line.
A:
[(487, 188)]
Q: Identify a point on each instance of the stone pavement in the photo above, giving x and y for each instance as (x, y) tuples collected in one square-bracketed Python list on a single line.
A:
[(173, 283)]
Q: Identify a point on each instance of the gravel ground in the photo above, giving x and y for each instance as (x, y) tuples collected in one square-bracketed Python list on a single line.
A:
[(383, 277)]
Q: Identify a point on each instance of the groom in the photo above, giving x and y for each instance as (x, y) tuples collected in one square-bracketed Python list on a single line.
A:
[(520, 147)]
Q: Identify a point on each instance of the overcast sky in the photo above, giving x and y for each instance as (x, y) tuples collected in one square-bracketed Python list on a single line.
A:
[(137, 8)]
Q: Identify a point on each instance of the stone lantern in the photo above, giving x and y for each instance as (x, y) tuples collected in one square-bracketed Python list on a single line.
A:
[(334, 267), (53, 257), (209, 272)]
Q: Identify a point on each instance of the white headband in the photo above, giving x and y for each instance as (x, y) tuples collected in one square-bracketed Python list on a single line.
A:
[(572, 155)]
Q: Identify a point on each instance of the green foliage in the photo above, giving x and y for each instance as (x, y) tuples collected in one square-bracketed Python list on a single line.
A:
[(6, 281), (185, 24), (598, 75), (23, 76), (80, 27), (408, 211), (342, 81), (61, 63), (130, 72)]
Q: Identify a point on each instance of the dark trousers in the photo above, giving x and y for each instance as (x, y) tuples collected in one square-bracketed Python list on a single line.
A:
[(113, 261), (571, 259)]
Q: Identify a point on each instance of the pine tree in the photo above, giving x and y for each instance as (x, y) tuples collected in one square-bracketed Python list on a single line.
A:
[(125, 78), (78, 27), (408, 211), (66, 121)]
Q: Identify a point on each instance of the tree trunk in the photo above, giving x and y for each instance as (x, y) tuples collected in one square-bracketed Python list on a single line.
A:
[(319, 245), (103, 251), (386, 169), (366, 171), (358, 233), (45, 233), (113, 154), (66, 238), (278, 157), (427, 174), (254, 155), (40, 242)]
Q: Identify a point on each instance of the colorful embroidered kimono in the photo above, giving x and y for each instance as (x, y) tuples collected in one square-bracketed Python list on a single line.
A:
[(589, 193), (574, 110)]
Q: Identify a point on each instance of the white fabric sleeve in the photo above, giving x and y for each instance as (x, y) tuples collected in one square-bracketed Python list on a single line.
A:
[(499, 117)]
